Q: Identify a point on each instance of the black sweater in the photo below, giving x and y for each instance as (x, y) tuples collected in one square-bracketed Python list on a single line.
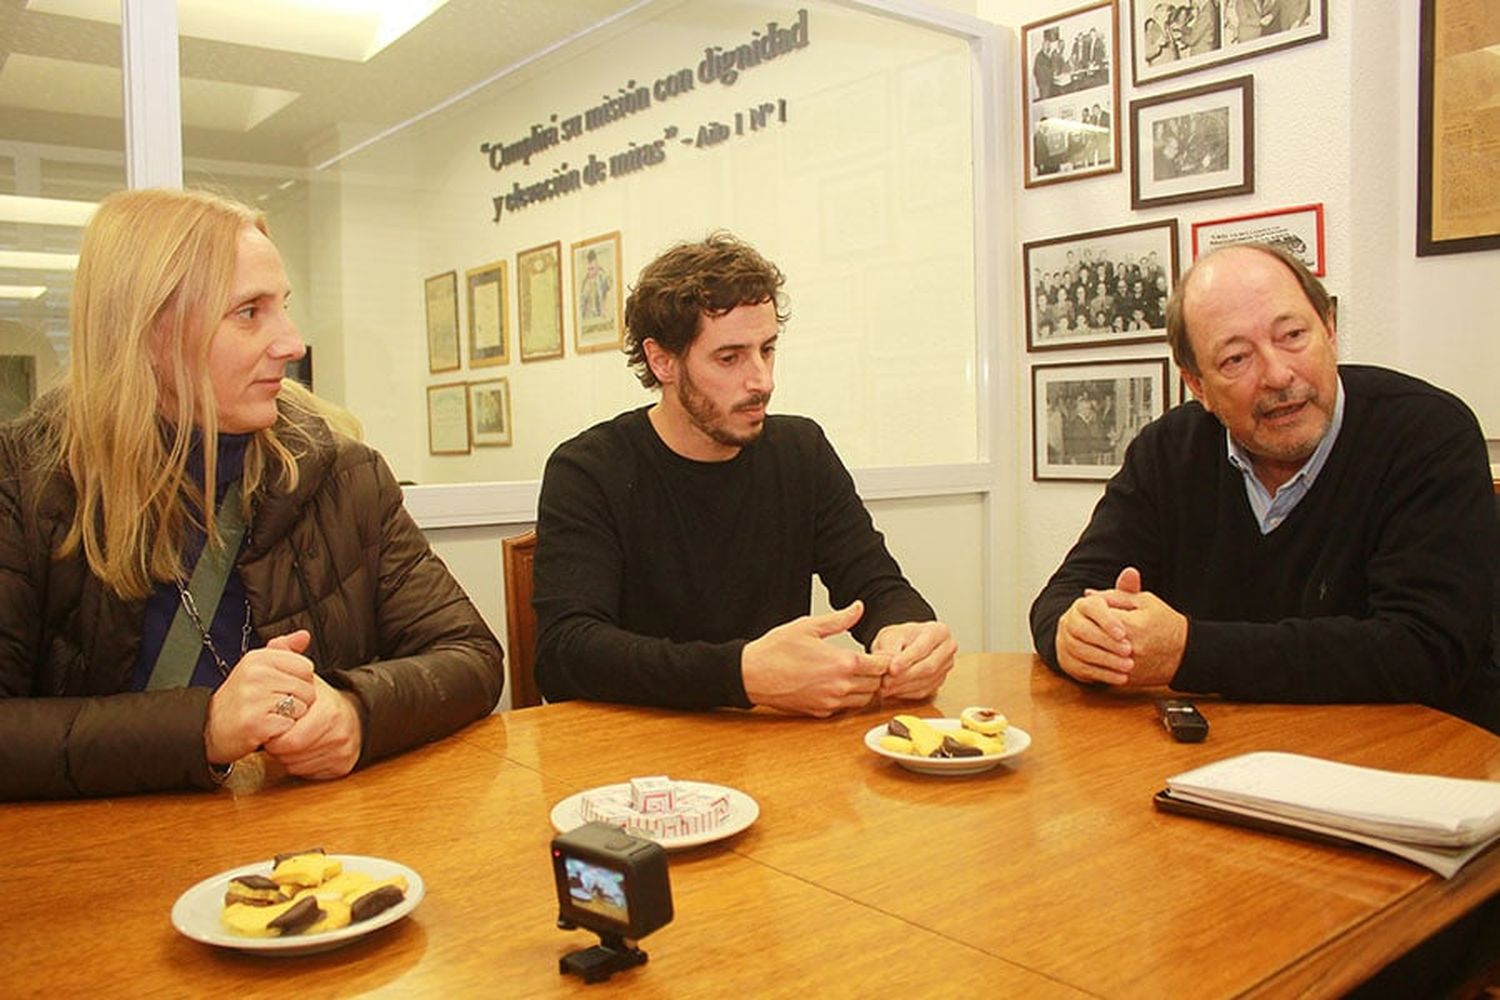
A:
[(1377, 587), (653, 570)]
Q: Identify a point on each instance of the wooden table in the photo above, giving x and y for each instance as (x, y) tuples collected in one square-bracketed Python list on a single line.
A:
[(1050, 876)]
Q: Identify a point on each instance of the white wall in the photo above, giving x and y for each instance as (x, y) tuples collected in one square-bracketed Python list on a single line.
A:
[(862, 196), (1335, 123)]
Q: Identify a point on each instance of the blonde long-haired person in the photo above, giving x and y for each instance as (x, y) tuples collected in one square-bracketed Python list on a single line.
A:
[(328, 636)]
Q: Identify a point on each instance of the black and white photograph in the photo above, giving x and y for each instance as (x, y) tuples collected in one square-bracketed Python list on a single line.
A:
[(1193, 144), (1071, 82), (1297, 230), (1181, 36), (1109, 286), (1085, 415)]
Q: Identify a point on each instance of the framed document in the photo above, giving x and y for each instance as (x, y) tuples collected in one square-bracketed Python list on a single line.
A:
[(539, 295), (1193, 144), (1458, 130), (1109, 286), (1070, 86), (489, 412), (448, 419), (1084, 415), (598, 303), (441, 296), (1169, 39), (488, 342), (1298, 231)]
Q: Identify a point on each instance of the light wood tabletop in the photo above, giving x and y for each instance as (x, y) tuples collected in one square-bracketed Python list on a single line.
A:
[(1051, 875)]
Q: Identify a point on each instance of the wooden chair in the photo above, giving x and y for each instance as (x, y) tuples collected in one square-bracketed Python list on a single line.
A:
[(518, 554)]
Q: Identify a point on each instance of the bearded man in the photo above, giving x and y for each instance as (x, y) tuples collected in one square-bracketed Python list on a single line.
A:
[(676, 543)]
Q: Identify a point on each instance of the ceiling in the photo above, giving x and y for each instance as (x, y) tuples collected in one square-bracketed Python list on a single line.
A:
[(274, 101)]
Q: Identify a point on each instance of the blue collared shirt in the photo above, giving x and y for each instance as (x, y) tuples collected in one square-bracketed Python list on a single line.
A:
[(1270, 511)]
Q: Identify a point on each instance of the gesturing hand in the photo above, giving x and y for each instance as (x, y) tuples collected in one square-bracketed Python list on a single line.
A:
[(792, 668), (921, 655), (242, 714)]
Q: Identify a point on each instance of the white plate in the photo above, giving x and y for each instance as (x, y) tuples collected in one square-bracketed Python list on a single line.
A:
[(743, 811), (1016, 740), (196, 912)]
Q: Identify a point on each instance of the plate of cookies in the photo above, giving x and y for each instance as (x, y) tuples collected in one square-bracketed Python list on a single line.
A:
[(298, 903), (976, 741)]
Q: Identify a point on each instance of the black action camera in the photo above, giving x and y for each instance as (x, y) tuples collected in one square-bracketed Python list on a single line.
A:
[(615, 885)]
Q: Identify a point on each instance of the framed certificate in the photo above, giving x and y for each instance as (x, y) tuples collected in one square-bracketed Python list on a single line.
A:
[(488, 341), (441, 298), (539, 296)]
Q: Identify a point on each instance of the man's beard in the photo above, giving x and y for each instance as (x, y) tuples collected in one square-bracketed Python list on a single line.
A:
[(714, 422)]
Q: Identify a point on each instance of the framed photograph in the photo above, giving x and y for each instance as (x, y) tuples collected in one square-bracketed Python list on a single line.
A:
[(1181, 36), (17, 384), (539, 295), (441, 296), (1109, 286), (489, 413), (489, 343), (1070, 86), (598, 302), (1193, 144), (448, 419), (1298, 231), (1084, 415), (1458, 90)]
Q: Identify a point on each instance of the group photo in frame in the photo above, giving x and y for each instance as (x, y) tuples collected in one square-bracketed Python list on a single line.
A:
[(1297, 230), (539, 300), (489, 342), (1181, 36), (448, 419), (440, 297), (489, 413), (1193, 144), (598, 301), (1109, 286), (1070, 87), (1458, 89), (1085, 414)]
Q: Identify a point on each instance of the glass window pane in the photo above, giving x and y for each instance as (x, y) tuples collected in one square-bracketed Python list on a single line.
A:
[(62, 146), (839, 144)]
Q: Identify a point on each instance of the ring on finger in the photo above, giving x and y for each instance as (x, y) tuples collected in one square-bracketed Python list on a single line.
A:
[(286, 707)]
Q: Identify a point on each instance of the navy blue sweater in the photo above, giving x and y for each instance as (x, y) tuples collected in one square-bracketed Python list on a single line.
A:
[(1377, 587), (653, 570)]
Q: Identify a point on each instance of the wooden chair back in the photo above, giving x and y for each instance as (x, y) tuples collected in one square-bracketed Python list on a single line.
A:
[(518, 554)]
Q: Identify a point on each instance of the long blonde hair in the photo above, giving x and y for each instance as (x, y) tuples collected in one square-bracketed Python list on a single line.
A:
[(153, 281)]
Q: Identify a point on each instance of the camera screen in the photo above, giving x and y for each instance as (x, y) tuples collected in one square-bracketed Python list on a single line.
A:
[(597, 889)]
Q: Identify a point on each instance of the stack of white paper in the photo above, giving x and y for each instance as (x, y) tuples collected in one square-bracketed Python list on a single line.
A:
[(1433, 820)]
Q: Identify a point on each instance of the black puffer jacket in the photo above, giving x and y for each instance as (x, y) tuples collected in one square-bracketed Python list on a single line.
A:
[(338, 556)]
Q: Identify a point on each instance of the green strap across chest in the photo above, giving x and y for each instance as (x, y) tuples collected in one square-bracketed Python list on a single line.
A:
[(179, 652)]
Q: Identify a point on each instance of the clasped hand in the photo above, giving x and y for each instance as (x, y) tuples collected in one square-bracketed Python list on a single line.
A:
[(793, 668), (317, 737), (1121, 636)]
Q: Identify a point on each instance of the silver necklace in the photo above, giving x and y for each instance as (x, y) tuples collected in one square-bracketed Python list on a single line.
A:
[(191, 607)]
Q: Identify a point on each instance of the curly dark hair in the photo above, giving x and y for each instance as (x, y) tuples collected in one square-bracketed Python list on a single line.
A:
[(690, 281), (1177, 331)]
